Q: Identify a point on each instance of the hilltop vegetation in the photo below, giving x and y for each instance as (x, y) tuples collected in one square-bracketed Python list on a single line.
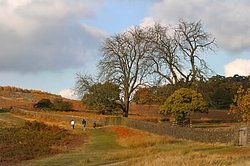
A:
[(14, 90), (218, 91)]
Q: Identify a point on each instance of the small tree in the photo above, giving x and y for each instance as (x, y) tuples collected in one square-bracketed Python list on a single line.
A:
[(182, 103), (102, 97)]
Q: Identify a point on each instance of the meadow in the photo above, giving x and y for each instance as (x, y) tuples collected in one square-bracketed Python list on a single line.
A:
[(34, 143), (29, 139)]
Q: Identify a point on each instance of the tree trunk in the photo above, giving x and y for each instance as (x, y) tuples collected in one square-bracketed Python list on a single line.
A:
[(125, 114), (126, 103)]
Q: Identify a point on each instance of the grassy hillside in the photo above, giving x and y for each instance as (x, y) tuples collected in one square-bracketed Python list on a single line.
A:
[(24, 98)]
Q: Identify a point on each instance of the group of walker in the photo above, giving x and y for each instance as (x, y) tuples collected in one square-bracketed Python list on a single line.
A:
[(84, 123)]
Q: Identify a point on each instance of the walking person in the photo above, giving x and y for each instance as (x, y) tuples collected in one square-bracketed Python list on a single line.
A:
[(84, 122), (72, 124), (94, 124)]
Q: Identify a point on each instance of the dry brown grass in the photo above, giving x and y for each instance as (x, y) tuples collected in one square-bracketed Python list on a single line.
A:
[(190, 159), (128, 137), (5, 123)]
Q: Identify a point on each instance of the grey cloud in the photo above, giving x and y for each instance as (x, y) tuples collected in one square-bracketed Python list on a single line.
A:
[(34, 43), (227, 20)]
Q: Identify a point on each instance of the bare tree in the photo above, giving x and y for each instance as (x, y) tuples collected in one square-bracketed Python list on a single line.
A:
[(129, 58), (175, 55), (163, 58), (193, 40), (83, 83), (124, 63)]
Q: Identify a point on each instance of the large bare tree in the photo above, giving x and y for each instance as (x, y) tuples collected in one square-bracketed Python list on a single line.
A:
[(176, 52), (192, 42), (163, 58), (124, 63)]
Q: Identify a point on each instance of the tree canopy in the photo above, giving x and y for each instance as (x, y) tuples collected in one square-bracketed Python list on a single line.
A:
[(241, 105), (218, 91), (182, 103), (102, 97)]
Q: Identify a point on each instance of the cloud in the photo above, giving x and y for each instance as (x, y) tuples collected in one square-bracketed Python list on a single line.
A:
[(147, 21), (228, 21), (68, 93), (238, 66), (94, 31), (47, 35)]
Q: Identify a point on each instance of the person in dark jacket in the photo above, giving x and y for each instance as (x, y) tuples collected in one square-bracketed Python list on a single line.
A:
[(84, 123), (94, 124)]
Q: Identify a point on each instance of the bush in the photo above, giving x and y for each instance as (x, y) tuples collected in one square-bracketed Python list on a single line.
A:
[(44, 104), (58, 105)]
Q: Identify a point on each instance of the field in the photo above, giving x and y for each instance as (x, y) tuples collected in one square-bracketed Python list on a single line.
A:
[(113, 145), (51, 141)]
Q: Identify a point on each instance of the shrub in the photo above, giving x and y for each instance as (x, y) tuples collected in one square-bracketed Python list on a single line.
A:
[(60, 105), (44, 104), (30, 141)]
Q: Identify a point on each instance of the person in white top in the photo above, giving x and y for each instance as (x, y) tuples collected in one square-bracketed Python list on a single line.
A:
[(72, 123)]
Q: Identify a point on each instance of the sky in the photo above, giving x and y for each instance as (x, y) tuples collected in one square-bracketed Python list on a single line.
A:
[(44, 43)]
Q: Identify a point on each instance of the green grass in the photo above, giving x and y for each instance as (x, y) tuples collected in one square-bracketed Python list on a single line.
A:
[(214, 125)]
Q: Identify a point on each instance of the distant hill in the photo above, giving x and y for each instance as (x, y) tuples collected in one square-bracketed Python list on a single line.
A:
[(26, 98)]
